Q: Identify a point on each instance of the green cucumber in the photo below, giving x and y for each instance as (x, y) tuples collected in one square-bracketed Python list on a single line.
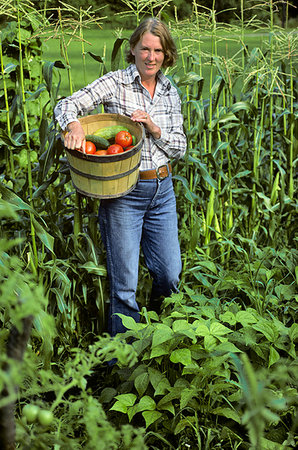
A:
[(99, 141), (109, 132)]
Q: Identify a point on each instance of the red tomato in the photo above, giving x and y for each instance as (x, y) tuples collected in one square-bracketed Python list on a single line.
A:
[(123, 138), (114, 149), (101, 152), (90, 148)]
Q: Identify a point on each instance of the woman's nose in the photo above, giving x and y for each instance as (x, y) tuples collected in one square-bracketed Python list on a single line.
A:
[(150, 55)]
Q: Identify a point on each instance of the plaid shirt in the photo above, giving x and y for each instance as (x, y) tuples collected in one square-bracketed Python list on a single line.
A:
[(122, 92)]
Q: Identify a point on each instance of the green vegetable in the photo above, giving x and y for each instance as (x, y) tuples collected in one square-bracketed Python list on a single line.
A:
[(45, 417), (30, 412), (100, 142), (110, 132), (134, 139)]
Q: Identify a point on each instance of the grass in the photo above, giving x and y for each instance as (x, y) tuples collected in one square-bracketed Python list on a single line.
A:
[(100, 43)]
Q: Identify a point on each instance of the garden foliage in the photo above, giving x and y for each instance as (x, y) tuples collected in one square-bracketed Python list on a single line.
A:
[(218, 367)]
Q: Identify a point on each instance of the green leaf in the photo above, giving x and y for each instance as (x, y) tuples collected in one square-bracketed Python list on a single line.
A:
[(123, 402), (180, 325), (267, 444), (210, 342), (33, 95), (44, 186), (9, 68), (228, 413), (293, 332), (4, 137), (146, 404), (162, 334), (246, 318), (160, 350), (162, 387), (195, 233), (185, 328), (107, 395), (97, 58), (285, 292), (201, 329), (227, 347), (47, 71), (206, 175), (151, 417), (174, 394), (159, 382), (9, 196), (191, 196), (184, 423), (168, 407), (115, 57), (208, 265), (244, 106), (60, 298), (141, 383), (182, 355), (91, 267), (19, 205), (130, 323), (44, 236), (217, 329), (189, 78), (45, 327), (267, 328), (228, 317), (186, 395), (273, 356)]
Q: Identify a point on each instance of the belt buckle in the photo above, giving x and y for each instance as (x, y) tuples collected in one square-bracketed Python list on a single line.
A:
[(159, 176)]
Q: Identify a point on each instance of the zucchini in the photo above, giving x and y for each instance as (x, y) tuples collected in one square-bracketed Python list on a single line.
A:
[(109, 132), (99, 141)]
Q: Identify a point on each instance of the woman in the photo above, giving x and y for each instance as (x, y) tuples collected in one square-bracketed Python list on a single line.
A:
[(146, 216)]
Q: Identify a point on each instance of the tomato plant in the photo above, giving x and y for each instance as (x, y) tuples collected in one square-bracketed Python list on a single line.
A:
[(123, 138), (90, 148), (114, 149)]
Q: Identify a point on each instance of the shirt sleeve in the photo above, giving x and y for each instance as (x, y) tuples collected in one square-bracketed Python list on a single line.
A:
[(173, 140), (85, 100)]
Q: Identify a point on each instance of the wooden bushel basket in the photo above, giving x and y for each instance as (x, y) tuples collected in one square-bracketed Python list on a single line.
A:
[(107, 176)]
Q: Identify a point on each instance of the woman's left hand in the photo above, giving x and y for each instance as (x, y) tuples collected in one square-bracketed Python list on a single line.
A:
[(141, 116)]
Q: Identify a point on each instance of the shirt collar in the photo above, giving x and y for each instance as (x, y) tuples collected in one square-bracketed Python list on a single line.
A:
[(131, 74)]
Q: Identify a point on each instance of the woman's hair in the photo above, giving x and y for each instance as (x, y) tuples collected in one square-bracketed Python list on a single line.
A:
[(159, 29)]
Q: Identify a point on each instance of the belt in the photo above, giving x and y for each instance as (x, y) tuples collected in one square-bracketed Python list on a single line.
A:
[(160, 173)]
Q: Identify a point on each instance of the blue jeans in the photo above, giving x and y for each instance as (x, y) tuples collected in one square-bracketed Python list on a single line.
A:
[(145, 218)]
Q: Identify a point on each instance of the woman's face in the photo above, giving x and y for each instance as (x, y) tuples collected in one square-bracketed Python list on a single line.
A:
[(149, 55)]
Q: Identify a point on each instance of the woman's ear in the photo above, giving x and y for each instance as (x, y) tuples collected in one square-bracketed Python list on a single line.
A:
[(132, 51)]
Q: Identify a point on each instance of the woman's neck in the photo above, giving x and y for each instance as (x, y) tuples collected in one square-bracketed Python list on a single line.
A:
[(150, 85)]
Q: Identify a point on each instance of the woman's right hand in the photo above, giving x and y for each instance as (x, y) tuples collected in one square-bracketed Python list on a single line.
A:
[(75, 136)]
